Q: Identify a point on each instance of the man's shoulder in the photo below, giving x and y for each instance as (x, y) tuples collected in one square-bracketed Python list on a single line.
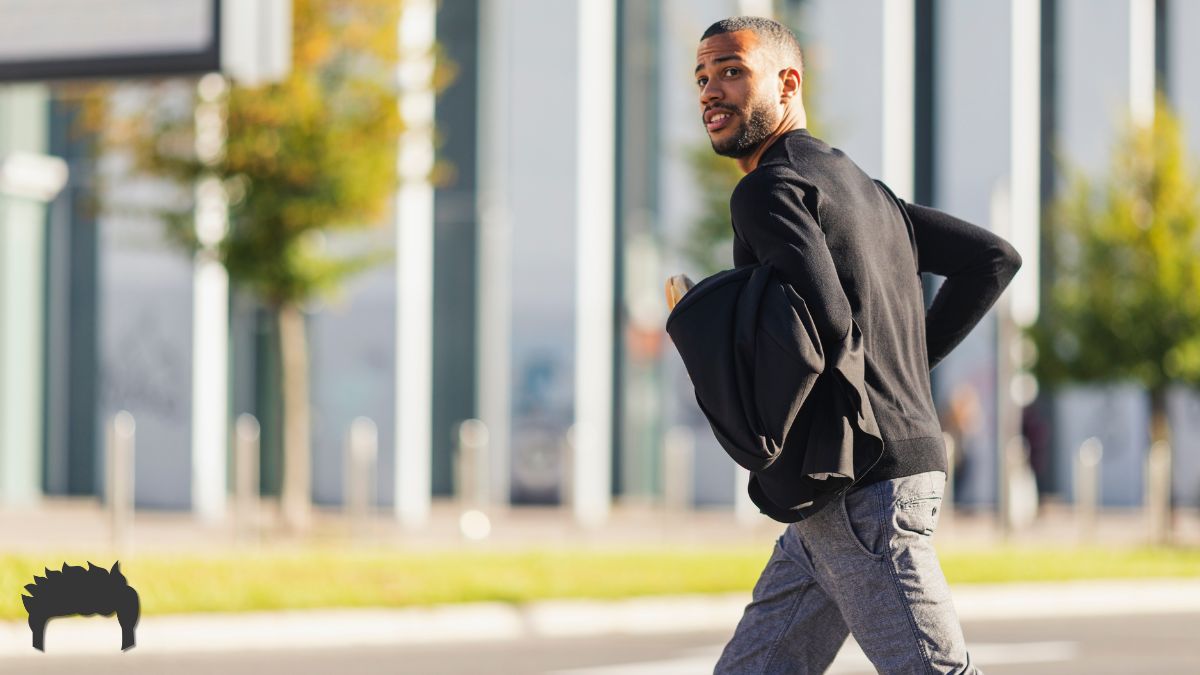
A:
[(768, 178), (771, 188), (801, 159), (812, 158)]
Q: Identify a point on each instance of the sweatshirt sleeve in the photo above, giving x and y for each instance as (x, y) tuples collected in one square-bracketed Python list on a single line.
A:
[(977, 264), (772, 210)]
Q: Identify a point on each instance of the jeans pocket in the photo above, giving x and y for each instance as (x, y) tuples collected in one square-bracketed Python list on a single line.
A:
[(918, 514), (863, 523)]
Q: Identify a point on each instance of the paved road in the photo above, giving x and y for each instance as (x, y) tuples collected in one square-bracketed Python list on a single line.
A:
[(1117, 645)]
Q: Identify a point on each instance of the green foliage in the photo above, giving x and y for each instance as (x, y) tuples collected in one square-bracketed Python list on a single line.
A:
[(709, 243), (1124, 300), (313, 153)]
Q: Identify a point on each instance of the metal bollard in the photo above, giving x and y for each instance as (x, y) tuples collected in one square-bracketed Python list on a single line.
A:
[(679, 445), (119, 492), (1022, 485), (1158, 492), (362, 451), (246, 466), (471, 465), (745, 511), (567, 492), (472, 472), (1087, 487)]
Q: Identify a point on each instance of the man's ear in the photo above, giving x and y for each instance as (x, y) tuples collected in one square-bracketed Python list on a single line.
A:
[(790, 82)]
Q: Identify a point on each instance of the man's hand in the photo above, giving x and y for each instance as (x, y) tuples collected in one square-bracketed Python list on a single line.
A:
[(677, 285)]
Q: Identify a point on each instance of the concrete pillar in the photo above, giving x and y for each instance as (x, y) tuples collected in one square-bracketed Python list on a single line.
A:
[(1142, 31), (594, 246), (23, 127), (1025, 159), (414, 274), (899, 86), (1018, 221), (494, 289), (210, 314)]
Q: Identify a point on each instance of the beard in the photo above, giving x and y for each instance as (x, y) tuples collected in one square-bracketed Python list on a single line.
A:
[(754, 129)]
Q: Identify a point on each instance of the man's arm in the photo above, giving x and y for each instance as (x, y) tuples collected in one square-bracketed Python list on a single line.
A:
[(773, 220), (977, 264)]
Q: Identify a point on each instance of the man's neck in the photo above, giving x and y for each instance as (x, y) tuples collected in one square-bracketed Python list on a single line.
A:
[(789, 123)]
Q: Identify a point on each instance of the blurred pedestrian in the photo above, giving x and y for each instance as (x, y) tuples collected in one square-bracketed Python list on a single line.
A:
[(962, 418), (853, 251)]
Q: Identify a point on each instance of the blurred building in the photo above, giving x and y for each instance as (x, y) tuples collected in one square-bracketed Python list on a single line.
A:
[(921, 93)]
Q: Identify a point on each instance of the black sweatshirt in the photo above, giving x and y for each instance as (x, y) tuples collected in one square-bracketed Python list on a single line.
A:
[(846, 244)]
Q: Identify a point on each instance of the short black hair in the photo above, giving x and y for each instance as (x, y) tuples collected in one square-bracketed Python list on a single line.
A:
[(769, 32)]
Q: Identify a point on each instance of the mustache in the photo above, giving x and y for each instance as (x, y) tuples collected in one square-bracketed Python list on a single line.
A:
[(729, 109)]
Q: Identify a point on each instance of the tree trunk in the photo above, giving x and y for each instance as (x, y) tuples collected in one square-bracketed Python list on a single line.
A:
[(297, 480), (1158, 469), (1160, 430)]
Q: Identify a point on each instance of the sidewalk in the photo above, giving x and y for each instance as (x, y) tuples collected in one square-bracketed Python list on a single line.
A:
[(80, 524), (324, 629)]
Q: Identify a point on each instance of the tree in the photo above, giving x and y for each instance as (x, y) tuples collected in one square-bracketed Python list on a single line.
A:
[(709, 242), (313, 153), (1124, 303)]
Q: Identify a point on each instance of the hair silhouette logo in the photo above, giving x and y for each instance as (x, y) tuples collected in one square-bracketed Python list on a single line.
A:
[(75, 590)]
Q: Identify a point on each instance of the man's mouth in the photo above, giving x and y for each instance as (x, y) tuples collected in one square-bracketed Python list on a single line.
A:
[(718, 120)]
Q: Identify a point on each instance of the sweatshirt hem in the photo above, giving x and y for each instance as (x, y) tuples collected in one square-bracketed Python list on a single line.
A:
[(906, 457)]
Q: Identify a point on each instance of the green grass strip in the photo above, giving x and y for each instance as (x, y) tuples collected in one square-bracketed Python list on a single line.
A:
[(231, 581)]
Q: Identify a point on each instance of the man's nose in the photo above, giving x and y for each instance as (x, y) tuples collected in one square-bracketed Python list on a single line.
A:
[(710, 92)]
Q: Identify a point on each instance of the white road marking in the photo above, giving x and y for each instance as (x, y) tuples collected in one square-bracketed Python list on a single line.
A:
[(850, 660)]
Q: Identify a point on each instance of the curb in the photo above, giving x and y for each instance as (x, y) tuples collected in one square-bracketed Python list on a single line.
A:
[(497, 621)]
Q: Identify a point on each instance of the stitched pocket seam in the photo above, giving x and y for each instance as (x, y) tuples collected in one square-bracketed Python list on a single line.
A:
[(916, 500)]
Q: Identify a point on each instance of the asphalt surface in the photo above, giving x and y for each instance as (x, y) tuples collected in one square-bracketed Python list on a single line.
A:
[(1168, 643)]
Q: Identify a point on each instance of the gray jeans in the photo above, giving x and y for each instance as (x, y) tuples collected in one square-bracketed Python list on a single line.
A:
[(864, 564)]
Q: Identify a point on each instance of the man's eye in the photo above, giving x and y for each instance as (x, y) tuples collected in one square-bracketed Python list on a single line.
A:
[(700, 82), (735, 70)]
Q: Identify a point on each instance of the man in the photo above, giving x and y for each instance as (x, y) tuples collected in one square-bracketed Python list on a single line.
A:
[(865, 562)]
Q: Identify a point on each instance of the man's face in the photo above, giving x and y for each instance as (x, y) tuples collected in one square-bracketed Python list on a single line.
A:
[(738, 100)]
